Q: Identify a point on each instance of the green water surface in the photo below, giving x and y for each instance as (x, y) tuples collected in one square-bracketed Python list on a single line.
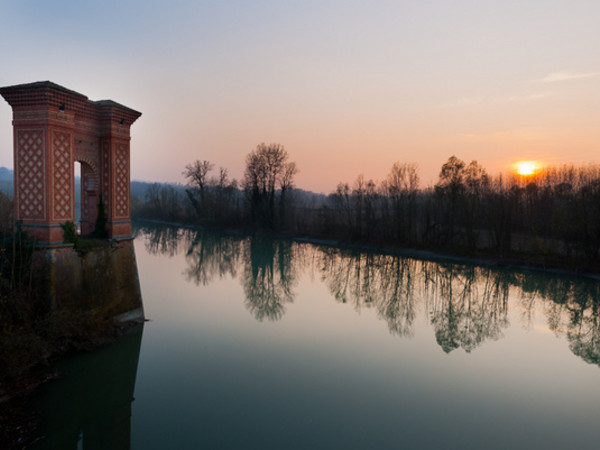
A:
[(255, 343)]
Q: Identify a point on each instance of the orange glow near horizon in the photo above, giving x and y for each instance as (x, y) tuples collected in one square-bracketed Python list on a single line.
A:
[(526, 168)]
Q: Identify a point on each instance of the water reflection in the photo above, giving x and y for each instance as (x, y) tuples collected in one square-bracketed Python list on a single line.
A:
[(269, 277), (469, 305), (91, 407), (209, 255), (465, 305), (573, 310), (373, 280), (161, 240)]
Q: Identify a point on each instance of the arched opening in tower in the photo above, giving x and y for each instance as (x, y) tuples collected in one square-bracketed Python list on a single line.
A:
[(89, 197)]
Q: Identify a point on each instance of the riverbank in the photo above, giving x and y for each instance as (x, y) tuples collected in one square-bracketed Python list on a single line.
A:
[(27, 353), (66, 298), (513, 261)]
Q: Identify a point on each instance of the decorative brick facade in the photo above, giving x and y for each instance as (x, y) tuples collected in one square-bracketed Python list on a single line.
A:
[(62, 177), (30, 174), (121, 181), (53, 128)]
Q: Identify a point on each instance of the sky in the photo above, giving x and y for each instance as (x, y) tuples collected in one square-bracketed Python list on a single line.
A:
[(348, 87)]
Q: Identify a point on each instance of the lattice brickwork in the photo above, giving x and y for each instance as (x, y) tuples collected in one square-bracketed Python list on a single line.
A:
[(121, 180), (62, 176), (31, 175)]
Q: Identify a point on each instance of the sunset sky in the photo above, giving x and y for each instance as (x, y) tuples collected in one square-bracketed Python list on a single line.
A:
[(348, 87)]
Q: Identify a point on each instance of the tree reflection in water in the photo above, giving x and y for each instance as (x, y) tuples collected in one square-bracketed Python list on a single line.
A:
[(268, 278), (162, 240), (209, 255), (466, 305), (372, 280), (571, 308)]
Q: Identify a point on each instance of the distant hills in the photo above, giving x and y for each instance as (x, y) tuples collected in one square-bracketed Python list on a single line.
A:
[(139, 189), (6, 181), (303, 198)]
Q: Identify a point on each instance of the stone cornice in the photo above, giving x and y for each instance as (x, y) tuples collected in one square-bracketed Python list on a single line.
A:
[(45, 94)]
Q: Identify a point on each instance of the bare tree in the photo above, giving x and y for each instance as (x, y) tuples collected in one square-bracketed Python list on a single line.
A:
[(266, 167), (197, 174), (286, 184), (287, 178), (400, 187), (223, 178), (450, 187), (476, 185)]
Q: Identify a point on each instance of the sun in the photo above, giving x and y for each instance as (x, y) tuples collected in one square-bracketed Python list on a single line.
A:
[(526, 168)]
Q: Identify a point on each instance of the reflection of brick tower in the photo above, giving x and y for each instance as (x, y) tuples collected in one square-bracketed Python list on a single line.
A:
[(53, 128)]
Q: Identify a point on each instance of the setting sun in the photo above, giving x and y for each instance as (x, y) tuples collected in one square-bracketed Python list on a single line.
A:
[(526, 167)]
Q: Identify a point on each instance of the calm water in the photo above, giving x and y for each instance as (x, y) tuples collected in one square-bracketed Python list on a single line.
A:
[(266, 344)]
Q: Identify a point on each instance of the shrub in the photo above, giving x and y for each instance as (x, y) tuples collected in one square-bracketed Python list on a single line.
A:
[(70, 233)]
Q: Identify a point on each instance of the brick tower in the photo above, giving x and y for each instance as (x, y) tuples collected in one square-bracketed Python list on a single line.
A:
[(53, 128)]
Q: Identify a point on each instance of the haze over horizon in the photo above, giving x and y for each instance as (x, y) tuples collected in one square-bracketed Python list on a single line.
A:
[(347, 87)]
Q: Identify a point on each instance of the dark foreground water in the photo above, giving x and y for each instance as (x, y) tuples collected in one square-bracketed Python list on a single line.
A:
[(269, 344)]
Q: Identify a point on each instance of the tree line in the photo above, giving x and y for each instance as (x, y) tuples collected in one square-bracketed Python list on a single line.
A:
[(551, 217), (263, 200)]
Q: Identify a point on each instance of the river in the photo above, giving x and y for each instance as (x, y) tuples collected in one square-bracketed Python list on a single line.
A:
[(255, 343)]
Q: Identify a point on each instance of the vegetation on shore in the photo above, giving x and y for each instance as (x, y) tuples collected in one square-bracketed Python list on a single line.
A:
[(550, 218), (31, 331)]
